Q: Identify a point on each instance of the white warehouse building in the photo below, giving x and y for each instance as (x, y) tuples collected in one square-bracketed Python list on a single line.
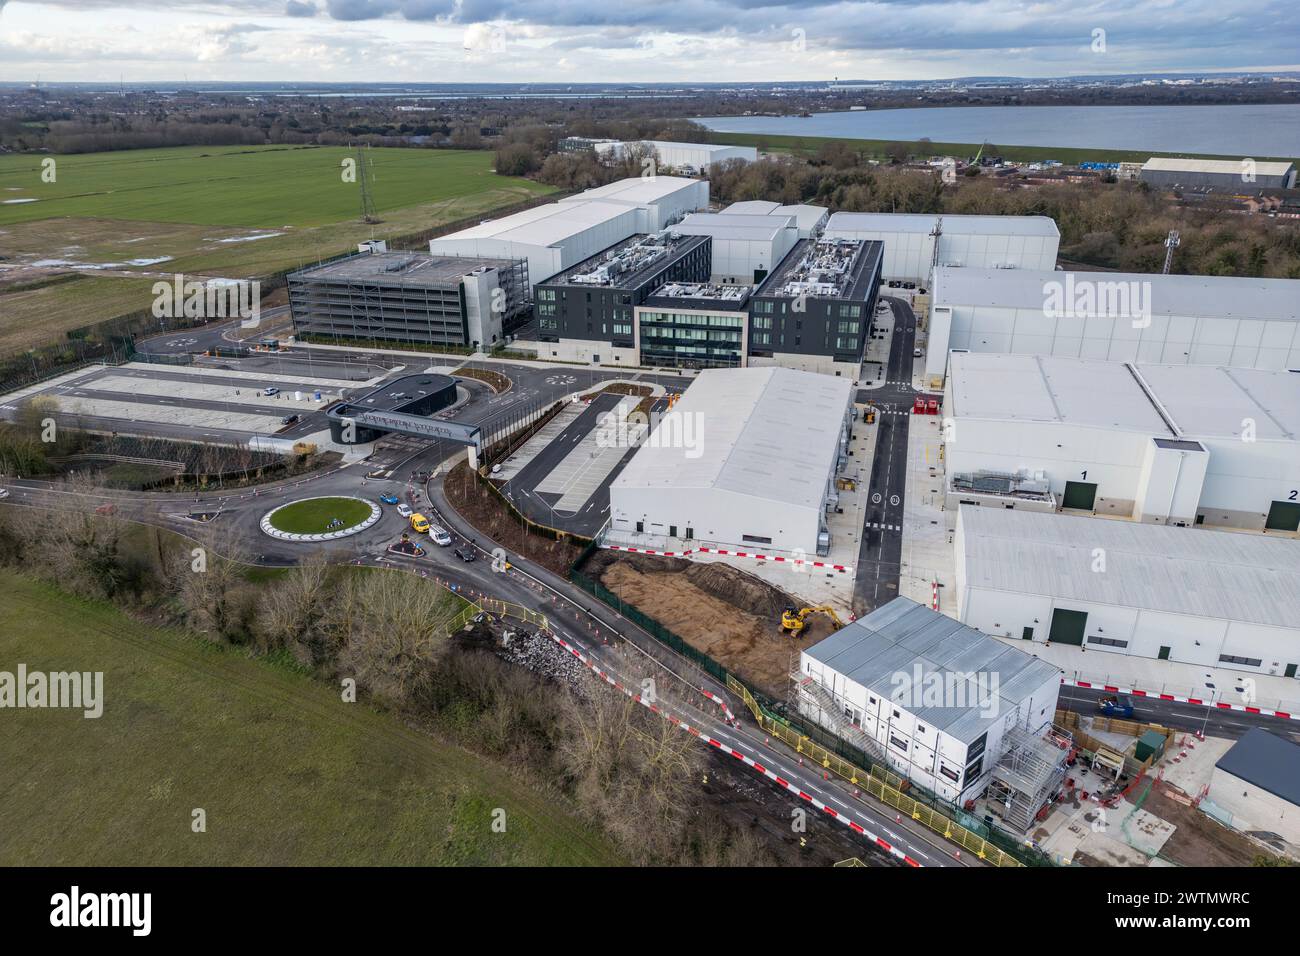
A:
[(745, 248), (973, 242), (659, 200), (1256, 787), (747, 458), (1210, 598), (811, 220), (689, 157), (559, 235), (940, 702), (1164, 444), (1116, 316)]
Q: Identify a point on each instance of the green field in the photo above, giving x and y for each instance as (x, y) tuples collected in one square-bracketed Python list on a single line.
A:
[(313, 516), (252, 188), (807, 145), (122, 220), (286, 773)]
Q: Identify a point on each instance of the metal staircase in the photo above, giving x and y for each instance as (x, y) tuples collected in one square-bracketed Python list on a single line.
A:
[(820, 705)]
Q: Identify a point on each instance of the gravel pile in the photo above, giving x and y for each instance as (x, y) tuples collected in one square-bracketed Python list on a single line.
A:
[(543, 656)]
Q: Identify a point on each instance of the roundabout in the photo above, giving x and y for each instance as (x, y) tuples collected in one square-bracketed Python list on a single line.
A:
[(320, 519)]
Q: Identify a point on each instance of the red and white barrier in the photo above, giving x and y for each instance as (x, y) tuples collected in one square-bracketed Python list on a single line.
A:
[(776, 558), (1196, 701), (744, 758)]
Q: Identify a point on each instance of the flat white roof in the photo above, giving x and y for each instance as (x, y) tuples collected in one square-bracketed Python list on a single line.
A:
[(806, 216), (1223, 575), (726, 225), (1200, 401), (1230, 167), (1200, 296), (638, 190), (707, 147), (767, 433), (544, 225), (955, 225)]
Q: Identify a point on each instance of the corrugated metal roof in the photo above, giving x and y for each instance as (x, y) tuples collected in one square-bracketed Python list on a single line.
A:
[(1202, 401), (1268, 761), (721, 225), (1231, 167), (902, 640), (952, 224), (1221, 575), (544, 225), (769, 433), (1196, 296), (637, 189)]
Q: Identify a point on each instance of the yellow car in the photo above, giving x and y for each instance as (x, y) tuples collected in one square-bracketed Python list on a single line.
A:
[(419, 523)]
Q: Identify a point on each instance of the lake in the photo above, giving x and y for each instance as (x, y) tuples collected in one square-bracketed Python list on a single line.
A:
[(1267, 130)]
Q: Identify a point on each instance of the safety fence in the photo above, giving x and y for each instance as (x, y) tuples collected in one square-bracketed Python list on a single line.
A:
[(829, 749), (880, 783)]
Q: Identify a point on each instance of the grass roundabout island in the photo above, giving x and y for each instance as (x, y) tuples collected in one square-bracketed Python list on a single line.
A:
[(317, 519)]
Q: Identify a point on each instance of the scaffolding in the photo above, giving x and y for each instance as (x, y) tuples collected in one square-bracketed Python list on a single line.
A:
[(1029, 773)]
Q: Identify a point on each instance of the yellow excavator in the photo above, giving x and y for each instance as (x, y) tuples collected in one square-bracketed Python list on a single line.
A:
[(795, 621)]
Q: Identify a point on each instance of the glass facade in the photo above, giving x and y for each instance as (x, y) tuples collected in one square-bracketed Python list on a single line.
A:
[(681, 339)]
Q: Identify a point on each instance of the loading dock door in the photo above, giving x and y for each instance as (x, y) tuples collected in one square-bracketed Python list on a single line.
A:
[(1079, 494), (1283, 516), (1068, 626)]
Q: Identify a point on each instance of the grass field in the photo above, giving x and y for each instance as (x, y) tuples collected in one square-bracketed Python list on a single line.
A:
[(313, 516), (265, 187), (122, 220), (286, 772), (807, 145)]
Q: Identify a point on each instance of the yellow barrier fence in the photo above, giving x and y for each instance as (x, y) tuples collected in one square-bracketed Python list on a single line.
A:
[(880, 783)]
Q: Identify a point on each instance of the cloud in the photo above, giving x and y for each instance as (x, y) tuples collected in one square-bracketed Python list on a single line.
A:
[(295, 8)]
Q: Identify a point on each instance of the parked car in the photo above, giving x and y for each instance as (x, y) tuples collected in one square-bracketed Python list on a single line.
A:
[(390, 500), (270, 390), (405, 511), (290, 419), (465, 554)]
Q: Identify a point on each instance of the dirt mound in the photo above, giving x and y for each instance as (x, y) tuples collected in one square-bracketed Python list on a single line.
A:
[(739, 589)]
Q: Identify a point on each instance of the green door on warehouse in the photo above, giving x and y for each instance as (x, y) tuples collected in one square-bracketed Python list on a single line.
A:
[(1067, 626), (1079, 494), (1283, 516)]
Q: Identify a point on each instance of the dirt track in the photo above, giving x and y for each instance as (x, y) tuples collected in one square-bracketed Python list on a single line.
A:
[(724, 612)]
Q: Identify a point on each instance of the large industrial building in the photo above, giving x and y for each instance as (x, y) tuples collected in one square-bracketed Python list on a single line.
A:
[(687, 157), (973, 242), (585, 314), (747, 459), (1211, 598), (947, 707), (411, 297), (559, 235), (658, 200), (814, 312), (1165, 444), (1116, 316), (811, 220), (1225, 175), (745, 247), (1256, 787)]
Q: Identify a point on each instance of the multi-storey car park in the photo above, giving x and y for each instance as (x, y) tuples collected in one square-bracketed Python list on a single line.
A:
[(814, 312), (586, 313), (411, 297)]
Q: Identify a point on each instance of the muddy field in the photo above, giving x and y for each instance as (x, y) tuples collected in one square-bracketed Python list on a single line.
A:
[(1199, 840), (728, 614)]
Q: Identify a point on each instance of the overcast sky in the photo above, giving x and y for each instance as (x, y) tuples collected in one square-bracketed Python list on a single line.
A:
[(663, 41)]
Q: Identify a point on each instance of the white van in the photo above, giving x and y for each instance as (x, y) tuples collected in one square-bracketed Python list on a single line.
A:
[(440, 536)]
